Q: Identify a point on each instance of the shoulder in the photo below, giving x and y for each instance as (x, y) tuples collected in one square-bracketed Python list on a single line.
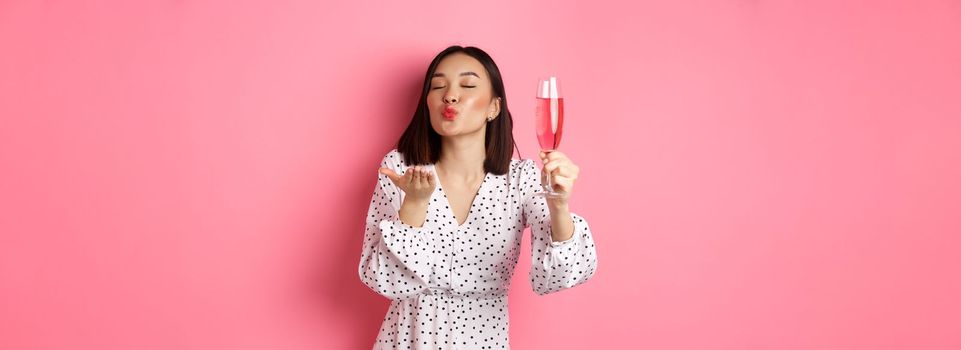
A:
[(522, 168), (524, 175), (393, 160)]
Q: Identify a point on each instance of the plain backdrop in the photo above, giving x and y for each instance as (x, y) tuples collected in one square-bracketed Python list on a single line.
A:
[(758, 174)]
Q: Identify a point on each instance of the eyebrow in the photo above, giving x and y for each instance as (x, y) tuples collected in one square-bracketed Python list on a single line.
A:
[(462, 74)]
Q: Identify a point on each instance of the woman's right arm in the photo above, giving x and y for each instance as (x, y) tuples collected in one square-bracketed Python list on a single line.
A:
[(413, 212), (396, 257)]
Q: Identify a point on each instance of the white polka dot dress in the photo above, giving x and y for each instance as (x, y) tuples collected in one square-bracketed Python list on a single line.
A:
[(448, 283)]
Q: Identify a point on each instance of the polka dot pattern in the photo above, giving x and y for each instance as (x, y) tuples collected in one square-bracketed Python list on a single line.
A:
[(448, 283)]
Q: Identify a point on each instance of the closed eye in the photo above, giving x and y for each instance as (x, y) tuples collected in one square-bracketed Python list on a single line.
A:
[(464, 86)]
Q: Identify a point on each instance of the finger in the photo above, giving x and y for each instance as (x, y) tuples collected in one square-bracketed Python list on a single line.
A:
[(550, 166), (567, 170), (430, 178), (423, 176), (408, 177), (415, 175), (565, 165), (555, 155), (551, 159), (389, 173), (420, 176), (563, 184), (427, 177), (425, 180)]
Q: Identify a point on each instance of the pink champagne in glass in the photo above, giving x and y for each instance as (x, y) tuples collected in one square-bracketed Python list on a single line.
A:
[(549, 119), (550, 122)]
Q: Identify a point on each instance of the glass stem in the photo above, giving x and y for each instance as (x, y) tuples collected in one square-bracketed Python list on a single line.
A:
[(550, 185), (549, 188)]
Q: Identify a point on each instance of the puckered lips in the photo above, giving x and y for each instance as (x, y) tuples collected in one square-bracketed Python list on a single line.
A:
[(450, 112)]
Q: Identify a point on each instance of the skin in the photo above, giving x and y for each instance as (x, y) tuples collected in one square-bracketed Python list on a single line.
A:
[(462, 82)]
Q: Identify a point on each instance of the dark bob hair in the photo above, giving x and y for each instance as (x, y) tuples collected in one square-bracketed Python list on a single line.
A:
[(420, 144)]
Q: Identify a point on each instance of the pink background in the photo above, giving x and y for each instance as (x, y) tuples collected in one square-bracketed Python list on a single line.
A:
[(758, 174)]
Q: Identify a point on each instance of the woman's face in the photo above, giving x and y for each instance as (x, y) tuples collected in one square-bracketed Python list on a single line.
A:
[(461, 98)]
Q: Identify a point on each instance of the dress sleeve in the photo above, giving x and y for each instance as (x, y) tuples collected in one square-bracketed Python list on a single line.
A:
[(555, 266), (396, 257)]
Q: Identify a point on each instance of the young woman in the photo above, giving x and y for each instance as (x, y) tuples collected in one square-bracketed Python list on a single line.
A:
[(446, 219)]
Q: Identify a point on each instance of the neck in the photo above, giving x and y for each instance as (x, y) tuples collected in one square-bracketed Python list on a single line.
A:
[(462, 157)]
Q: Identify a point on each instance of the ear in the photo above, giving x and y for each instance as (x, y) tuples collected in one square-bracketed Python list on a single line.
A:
[(495, 107)]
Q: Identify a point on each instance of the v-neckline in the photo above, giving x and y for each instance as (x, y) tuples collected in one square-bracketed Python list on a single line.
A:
[(470, 210)]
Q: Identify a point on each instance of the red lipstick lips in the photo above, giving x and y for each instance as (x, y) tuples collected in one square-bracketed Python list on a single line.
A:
[(450, 113)]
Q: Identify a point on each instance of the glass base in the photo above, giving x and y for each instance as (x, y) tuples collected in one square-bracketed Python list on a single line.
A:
[(548, 194)]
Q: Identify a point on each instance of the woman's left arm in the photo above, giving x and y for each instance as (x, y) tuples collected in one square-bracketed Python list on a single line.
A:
[(562, 246), (563, 173)]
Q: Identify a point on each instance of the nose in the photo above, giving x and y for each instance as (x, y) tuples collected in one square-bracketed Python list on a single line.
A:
[(448, 99)]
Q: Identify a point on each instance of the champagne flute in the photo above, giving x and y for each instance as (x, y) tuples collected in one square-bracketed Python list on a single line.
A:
[(549, 119)]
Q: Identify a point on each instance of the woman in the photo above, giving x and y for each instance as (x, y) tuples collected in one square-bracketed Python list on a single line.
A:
[(446, 219)]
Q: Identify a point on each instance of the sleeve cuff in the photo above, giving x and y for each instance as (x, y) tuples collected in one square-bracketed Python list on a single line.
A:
[(394, 228), (578, 231), (565, 242)]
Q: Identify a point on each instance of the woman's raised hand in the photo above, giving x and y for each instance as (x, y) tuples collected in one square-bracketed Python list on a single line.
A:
[(417, 182)]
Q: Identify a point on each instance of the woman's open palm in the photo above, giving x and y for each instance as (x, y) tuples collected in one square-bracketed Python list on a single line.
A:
[(417, 182)]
